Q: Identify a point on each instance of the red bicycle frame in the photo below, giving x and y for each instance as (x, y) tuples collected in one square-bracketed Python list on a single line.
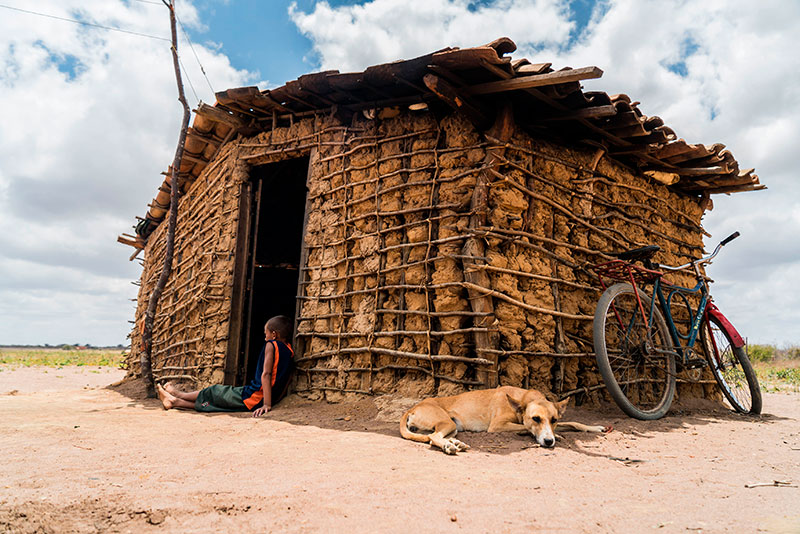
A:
[(736, 338)]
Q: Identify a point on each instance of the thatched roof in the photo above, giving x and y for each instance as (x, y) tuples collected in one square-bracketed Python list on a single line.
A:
[(469, 80)]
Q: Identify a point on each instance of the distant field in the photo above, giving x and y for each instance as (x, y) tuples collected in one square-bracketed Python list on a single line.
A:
[(56, 357), (774, 374), (778, 369), (779, 375)]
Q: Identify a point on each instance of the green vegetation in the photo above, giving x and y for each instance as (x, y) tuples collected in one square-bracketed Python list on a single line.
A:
[(761, 353), (778, 369), (60, 357)]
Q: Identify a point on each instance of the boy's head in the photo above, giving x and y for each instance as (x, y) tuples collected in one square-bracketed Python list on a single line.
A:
[(279, 327)]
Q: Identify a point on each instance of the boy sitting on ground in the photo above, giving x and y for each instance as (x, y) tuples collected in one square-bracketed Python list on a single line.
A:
[(270, 383)]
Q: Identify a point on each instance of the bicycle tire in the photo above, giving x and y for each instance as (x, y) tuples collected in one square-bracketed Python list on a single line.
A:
[(732, 369), (639, 375)]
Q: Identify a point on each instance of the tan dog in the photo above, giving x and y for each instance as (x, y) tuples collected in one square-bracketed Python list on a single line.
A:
[(437, 420)]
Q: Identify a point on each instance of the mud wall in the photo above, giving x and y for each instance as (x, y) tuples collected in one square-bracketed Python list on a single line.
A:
[(555, 211), (384, 305), (192, 319), (192, 323)]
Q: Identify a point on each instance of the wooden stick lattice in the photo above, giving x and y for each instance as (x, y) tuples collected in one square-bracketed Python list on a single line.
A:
[(355, 177)]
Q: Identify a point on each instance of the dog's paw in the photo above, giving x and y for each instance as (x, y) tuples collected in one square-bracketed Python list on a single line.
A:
[(449, 448), (597, 429), (460, 445)]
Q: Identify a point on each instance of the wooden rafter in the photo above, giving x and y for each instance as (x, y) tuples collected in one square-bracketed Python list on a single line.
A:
[(541, 80)]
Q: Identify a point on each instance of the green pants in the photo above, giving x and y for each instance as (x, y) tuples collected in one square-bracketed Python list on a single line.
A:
[(220, 399)]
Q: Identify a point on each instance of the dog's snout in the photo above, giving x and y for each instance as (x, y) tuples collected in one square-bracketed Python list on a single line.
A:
[(548, 442)]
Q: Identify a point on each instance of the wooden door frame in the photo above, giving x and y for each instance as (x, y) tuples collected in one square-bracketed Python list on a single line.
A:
[(241, 262), (245, 354), (302, 275), (236, 356)]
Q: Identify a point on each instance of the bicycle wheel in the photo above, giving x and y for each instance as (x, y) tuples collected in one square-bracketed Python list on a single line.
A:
[(637, 363), (731, 368)]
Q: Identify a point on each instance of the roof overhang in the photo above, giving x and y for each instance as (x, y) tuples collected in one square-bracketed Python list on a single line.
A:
[(471, 81)]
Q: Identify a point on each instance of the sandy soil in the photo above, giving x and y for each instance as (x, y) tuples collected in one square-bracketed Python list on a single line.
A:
[(80, 457)]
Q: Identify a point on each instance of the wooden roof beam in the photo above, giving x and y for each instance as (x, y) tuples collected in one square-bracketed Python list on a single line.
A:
[(129, 242), (448, 75), (217, 115), (613, 139), (595, 112), (194, 158), (243, 108), (318, 96), (211, 139), (698, 171), (735, 189), (497, 71), (302, 102), (273, 103), (456, 100), (376, 90), (409, 84), (540, 80)]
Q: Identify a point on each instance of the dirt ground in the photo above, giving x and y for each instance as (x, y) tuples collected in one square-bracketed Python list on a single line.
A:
[(81, 457)]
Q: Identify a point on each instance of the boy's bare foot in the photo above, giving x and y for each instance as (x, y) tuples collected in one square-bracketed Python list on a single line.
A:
[(170, 389), (165, 397)]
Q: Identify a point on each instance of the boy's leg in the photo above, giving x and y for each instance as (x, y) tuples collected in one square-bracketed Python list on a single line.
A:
[(170, 401), (190, 396)]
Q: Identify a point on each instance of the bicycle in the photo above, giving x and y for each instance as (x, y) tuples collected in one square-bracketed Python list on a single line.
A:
[(638, 346)]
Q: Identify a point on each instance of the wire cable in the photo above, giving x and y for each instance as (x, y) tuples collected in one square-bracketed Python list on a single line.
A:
[(195, 53), (84, 23), (186, 73), (191, 45), (112, 28)]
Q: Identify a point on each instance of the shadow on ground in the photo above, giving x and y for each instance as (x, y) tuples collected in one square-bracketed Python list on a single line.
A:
[(381, 415)]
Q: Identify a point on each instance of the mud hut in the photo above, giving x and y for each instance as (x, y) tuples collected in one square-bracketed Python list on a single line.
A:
[(427, 222)]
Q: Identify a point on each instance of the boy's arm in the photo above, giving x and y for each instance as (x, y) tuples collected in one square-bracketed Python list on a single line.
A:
[(266, 380)]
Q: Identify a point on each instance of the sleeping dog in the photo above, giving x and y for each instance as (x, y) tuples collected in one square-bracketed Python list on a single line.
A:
[(437, 420)]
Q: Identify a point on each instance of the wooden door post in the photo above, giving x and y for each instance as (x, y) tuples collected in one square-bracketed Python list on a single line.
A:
[(474, 249)]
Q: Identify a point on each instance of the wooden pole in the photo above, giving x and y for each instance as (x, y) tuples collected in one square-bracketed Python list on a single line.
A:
[(147, 334), (477, 280)]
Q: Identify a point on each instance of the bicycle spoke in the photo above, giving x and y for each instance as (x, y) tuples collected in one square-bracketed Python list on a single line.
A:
[(638, 355), (733, 376), (731, 368)]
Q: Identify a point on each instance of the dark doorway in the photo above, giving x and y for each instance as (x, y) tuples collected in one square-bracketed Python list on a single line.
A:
[(276, 233)]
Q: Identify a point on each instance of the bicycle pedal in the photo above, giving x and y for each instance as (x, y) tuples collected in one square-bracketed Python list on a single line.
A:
[(694, 363)]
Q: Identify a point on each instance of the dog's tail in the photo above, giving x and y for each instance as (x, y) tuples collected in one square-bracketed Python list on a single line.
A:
[(408, 434)]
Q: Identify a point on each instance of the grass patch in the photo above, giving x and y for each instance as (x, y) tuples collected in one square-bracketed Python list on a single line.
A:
[(769, 353), (777, 368), (778, 375), (28, 357)]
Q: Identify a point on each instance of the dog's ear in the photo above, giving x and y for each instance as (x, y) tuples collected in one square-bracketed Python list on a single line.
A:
[(518, 407), (562, 406)]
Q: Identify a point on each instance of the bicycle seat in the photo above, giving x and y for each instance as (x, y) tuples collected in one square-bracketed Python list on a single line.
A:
[(638, 254)]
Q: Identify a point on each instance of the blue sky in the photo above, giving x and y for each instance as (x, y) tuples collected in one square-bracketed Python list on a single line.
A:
[(91, 119), (248, 45)]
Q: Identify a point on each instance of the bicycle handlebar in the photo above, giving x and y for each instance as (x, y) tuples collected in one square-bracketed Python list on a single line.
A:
[(704, 259), (729, 239)]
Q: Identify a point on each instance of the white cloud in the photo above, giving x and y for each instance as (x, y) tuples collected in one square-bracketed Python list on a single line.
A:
[(715, 71), (741, 73), (354, 37), (90, 120)]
